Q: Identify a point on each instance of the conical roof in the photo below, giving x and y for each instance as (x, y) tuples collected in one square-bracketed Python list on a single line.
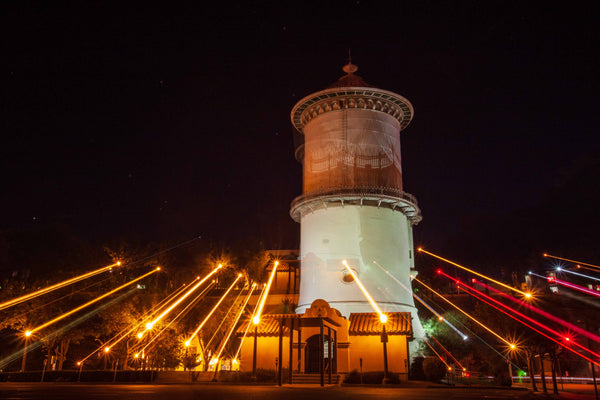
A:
[(350, 79)]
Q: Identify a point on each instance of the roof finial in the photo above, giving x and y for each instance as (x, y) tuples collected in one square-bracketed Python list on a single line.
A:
[(350, 68)]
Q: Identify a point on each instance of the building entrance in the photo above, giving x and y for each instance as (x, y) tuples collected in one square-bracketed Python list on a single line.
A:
[(311, 355)]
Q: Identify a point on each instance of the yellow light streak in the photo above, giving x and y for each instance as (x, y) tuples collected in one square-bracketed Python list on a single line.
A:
[(190, 304), (97, 299), (237, 318), (527, 295), (437, 354), (246, 331), (382, 316), (573, 261), (113, 342), (214, 308), (59, 285), (176, 303), (468, 315), (256, 318)]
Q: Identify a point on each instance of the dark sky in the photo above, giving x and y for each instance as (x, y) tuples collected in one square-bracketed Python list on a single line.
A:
[(168, 123)]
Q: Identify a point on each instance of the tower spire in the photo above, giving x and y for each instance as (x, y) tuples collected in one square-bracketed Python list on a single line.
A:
[(350, 68)]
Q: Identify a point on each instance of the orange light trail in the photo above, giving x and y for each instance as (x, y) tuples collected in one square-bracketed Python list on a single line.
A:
[(572, 261), (256, 318), (511, 345), (246, 331), (60, 317), (382, 316), (540, 332), (527, 295), (190, 304), (59, 285), (542, 312), (449, 354), (470, 290), (237, 318), (437, 354), (187, 342), (440, 317), (149, 325), (113, 342)]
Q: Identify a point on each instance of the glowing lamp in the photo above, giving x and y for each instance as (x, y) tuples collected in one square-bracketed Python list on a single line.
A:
[(118, 263), (438, 271), (441, 318), (158, 268), (383, 318), (78, 363), (106, 349), (28, 333), (235, 361), (449, 368), (528, 295), (140, 335), (512, 346), (136, 355), (149, 325), (419, 249), (256, 320), (187, 343)]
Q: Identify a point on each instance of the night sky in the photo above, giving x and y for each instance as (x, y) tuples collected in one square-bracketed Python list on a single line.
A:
[(164, 123)]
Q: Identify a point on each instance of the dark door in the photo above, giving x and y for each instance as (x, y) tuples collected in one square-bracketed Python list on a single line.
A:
[(311, 354)]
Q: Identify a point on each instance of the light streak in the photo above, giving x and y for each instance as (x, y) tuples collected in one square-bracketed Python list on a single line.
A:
[(527, 295), (256, 318), (237, 318), (470, 290), (213, 310), (59, 285), (573, 261), (437, 354), (60, 317), (439, 316), (120, 336), (449, 354), (63, 329), (151, 324), (190, 304), (246, 331), (218, 329), (382, 316), (543, 313), (511, 345), (538, 331), (559, 269), (567, 284)]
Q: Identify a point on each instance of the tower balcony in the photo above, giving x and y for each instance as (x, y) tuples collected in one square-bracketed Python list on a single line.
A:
[(386, 197)]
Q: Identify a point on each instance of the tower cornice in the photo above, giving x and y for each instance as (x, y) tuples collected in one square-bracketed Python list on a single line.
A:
[(366, 98), (381, 197)]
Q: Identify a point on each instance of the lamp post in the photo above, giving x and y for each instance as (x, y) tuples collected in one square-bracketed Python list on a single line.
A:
[(80, 363), (24, 362), (384, 340), (254, 351)]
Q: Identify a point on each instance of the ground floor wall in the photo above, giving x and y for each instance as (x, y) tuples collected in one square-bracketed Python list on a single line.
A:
[(361, 353)]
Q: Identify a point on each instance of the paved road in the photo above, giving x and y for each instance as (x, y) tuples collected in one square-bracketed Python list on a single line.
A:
[(80, 391)]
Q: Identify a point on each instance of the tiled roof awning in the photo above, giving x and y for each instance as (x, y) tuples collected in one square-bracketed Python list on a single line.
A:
[(398, 323)]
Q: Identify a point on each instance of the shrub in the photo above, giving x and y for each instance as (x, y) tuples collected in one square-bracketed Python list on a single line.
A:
[(433, 369)]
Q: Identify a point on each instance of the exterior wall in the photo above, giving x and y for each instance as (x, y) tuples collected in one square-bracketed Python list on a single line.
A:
[(266, 352), (350, 148), (370, 349), (360, 235)]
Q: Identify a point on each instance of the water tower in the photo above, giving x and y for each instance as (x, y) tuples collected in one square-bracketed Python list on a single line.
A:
[(353, 207)]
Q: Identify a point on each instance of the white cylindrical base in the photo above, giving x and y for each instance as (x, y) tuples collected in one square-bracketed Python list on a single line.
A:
[(366, 237)]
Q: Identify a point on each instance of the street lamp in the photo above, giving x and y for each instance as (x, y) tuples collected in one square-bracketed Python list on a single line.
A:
[(384, 340)]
